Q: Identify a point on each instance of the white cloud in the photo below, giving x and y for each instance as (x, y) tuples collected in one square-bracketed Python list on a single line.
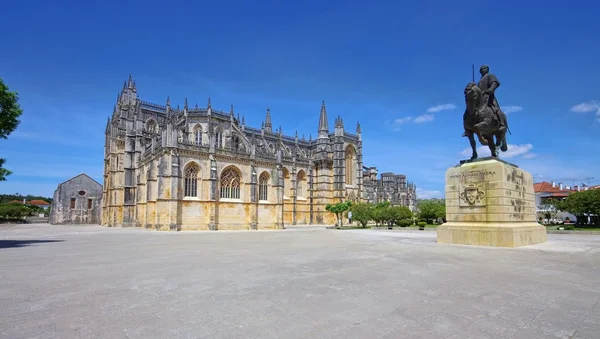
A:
[(439, 108), (513, 151), (403, 120), (511, 109), (428, 194), (424, 118), (587, 107)]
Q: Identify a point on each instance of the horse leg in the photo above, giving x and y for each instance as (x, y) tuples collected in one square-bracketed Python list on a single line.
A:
[(482, 140), (473, 144), (492, 146)]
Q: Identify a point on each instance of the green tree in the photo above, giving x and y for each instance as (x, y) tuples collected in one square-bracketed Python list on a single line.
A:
[(551, 207), (9, 119), (380, 213), (362, 212), (430, 210), (582, 204), (13, 211), (398, 213), (338, 209)]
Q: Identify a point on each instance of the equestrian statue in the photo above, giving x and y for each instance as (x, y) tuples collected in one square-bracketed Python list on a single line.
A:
[(483, 116)]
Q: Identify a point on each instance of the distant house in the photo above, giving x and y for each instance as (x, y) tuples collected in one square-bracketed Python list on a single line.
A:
[(39, 203), (551, 190), (77, 201)]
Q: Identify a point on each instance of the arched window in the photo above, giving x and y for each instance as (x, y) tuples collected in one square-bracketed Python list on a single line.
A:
[(219, 138), (151, 126), (191, 181), (230, 184), (263, 186), (235, 142), (300, 183), (350, 165), (198, 135)]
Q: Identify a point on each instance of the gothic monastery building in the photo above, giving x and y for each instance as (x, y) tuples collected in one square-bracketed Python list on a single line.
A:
[(196, 168)]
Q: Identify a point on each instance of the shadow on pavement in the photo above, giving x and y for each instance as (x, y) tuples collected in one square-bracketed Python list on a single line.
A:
[(23, 243)]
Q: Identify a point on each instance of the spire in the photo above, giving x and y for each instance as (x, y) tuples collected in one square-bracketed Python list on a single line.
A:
[(124, 86), (357, 127), (268, 125), (130, 82), (231, 110), (243, 121), (134, 87), (168, 101), (185, 106), (238, 117), (341, 123), (209, 105), (323, 123), (196, 106)]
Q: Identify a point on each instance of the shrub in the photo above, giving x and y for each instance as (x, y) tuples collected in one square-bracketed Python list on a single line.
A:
[(404, 223), (13, 211), (569, 227), (421, 224)]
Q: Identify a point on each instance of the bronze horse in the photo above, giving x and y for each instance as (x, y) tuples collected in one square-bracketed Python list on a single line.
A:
[(484, 121)]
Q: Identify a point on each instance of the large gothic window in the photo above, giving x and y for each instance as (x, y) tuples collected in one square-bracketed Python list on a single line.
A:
[(235, 142), (191, 181), (263, 187), (300, 184), (151, 126), (198, 135), (219, 138), (350, 160), (230, 184)]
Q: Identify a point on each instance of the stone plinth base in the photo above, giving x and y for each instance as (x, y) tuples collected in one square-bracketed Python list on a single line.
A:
[(492, 203), (507, 235)]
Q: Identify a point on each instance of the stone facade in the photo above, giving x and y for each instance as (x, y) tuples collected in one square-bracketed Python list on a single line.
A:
[(77, 201), (196, 168), (390, 187), (492, 203)]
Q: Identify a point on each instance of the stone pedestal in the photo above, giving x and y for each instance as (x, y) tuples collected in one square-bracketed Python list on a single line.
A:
[(490, 202)]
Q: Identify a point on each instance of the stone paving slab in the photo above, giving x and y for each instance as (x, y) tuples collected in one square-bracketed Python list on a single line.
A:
[(96, 282)]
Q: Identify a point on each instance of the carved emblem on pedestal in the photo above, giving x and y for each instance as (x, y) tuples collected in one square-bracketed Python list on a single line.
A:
[(472, 195)]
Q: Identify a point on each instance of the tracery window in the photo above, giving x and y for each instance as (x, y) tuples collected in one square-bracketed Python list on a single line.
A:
[(236, 142), (151, 126), (219, 138), (230, 184), (349, 165), (198, 135), (263, 186), (191, 181)]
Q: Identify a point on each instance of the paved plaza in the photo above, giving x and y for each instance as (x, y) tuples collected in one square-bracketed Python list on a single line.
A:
[(95, 282)]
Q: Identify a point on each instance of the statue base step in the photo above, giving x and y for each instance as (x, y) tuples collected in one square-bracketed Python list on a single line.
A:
[(489, 234)]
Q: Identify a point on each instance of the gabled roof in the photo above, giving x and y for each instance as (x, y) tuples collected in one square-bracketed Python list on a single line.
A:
[(546, 187), (38, 203), (77, 176)]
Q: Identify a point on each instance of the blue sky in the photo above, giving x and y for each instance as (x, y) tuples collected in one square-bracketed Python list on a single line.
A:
[(397, 67)]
